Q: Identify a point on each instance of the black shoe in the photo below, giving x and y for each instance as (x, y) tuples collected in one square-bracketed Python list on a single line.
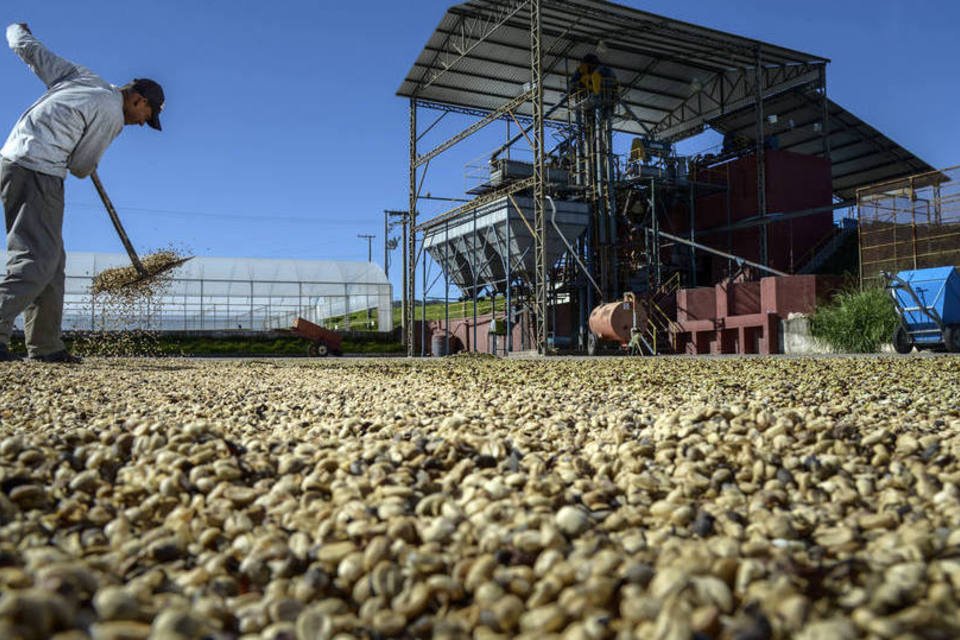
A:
[(63, 356), (6, 356)]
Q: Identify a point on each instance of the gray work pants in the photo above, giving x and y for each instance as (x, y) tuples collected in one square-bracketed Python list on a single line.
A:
[(33, 285)]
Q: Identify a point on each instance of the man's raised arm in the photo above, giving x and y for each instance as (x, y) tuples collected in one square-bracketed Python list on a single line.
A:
[(48, 66)]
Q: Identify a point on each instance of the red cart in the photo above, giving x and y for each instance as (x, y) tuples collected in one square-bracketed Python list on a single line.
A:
[(323, 342)]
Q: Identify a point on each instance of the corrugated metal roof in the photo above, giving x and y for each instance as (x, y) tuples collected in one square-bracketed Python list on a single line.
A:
[(478, 58), (860, 155), (467, 62)]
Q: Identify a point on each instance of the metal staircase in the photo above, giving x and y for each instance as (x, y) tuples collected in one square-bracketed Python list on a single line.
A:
[(657, 333), (822, 253)]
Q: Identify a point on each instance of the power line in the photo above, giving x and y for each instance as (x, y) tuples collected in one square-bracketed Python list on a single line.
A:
[(222, 216)]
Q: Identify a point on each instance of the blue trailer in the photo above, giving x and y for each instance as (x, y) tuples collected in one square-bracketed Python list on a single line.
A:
[(928, 306)]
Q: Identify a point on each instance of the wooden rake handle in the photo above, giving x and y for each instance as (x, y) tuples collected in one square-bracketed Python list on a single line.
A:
[(134, 259)]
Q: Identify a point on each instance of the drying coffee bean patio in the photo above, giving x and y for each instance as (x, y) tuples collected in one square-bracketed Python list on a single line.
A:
[(647, 498)]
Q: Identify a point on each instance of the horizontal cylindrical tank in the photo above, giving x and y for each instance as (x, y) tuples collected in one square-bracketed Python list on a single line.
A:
[(614, 321)]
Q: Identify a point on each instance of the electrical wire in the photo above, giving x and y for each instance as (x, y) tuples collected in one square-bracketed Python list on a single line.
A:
[(227, 216)]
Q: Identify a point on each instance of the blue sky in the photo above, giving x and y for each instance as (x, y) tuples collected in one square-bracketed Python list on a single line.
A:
[(283, 136)]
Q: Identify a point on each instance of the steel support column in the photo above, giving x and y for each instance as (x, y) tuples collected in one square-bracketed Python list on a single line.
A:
[(655, 251), (913, 222), (825, 121), (423, 310), (386, 243), (693, 237), (404, 304), (539, 187), (410, 294), (508, 309), (474, 268), (446, 288), (761, 157)]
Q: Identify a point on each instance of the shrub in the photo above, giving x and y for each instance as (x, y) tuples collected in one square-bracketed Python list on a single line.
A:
[(856, 321)]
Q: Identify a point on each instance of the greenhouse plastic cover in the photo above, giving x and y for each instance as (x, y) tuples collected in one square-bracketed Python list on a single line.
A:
[(290, 287)]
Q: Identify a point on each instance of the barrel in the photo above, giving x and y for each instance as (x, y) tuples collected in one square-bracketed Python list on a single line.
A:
[(613, 321), (439, 343)]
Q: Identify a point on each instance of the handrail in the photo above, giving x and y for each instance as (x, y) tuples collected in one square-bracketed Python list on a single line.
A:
[(833, 236), (657, 320), (810, 253)]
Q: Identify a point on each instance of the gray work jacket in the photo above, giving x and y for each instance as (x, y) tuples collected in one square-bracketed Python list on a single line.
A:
[(72, 124)]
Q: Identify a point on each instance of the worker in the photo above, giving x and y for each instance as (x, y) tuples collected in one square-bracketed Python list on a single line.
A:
[(594, 78), (67, 129), (636, 342)]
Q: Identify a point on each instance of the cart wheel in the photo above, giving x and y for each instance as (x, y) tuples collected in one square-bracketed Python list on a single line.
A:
[(318, 350), (902, 342), (951, 338), (593, 344)]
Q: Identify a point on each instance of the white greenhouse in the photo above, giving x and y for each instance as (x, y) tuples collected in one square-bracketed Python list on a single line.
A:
[(219, 294)]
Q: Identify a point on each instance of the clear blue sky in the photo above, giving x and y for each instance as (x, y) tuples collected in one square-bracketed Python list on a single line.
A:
[(283, 137)]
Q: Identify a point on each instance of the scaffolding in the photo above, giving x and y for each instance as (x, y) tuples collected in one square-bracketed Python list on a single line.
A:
[(913, 223)]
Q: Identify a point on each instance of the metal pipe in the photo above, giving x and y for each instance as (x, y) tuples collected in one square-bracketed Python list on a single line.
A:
[(722, 254), (610, 196), (553, 221)]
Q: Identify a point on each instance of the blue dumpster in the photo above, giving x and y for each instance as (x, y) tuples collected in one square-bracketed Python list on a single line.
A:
[(928, 305)]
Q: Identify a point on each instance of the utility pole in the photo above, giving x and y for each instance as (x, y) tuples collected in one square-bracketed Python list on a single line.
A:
[(386, 245), (369, 238)]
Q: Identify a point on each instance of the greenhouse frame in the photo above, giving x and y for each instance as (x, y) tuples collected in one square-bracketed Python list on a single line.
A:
[(228, 294)]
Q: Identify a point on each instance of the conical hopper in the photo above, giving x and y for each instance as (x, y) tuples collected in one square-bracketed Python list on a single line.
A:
[(474, 248)]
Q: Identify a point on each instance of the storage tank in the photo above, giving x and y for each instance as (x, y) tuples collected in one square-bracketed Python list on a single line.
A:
[(613, 321), (440, 343)]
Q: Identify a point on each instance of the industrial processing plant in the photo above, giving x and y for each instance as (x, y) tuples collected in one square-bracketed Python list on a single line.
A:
[(594, 228)]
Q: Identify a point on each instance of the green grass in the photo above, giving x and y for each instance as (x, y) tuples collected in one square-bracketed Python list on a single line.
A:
[(359, 321), (437, 310), (856, 321)]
